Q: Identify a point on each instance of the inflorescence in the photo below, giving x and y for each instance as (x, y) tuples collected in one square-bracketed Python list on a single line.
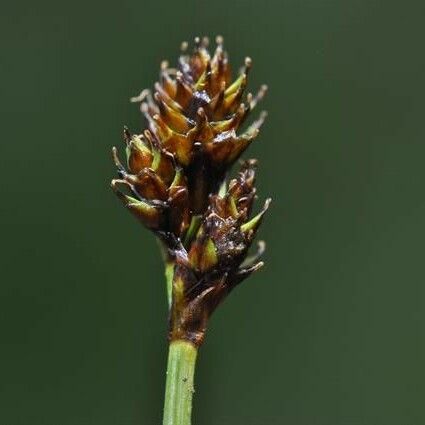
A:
[(175, 181)]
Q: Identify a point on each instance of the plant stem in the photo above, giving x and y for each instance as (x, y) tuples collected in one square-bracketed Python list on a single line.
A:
[(169, 274), (179, 386)]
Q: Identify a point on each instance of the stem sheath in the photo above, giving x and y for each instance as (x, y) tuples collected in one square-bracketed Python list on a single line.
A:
[(179, 385)]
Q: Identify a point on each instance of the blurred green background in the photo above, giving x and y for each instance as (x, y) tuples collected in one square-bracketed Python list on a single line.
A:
[(331, 331)]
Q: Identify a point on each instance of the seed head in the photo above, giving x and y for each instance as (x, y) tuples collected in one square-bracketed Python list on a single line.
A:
[(174, 181)]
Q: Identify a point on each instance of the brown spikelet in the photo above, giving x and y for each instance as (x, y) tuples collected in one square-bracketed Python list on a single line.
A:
[(174, 180)]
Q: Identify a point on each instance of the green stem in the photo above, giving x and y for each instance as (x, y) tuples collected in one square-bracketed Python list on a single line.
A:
[(169, 275), (179, 386)]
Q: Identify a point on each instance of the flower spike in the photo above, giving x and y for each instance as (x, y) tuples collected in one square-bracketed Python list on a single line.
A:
[(174, 180)]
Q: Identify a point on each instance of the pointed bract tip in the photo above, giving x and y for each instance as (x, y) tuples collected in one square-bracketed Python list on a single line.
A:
[(141, 97), (245, 272), (257, 266), (144, 107), (263, 115), (261, 247), (248, 63), (114, 186), (205, 41), (253, 224)]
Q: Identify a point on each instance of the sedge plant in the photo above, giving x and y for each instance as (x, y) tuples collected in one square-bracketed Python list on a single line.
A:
[(176, 183)]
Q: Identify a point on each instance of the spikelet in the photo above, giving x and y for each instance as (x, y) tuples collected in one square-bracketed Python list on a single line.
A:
[(174, 181)]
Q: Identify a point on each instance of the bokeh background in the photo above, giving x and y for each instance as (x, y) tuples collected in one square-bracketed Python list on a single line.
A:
[(331, 331)]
